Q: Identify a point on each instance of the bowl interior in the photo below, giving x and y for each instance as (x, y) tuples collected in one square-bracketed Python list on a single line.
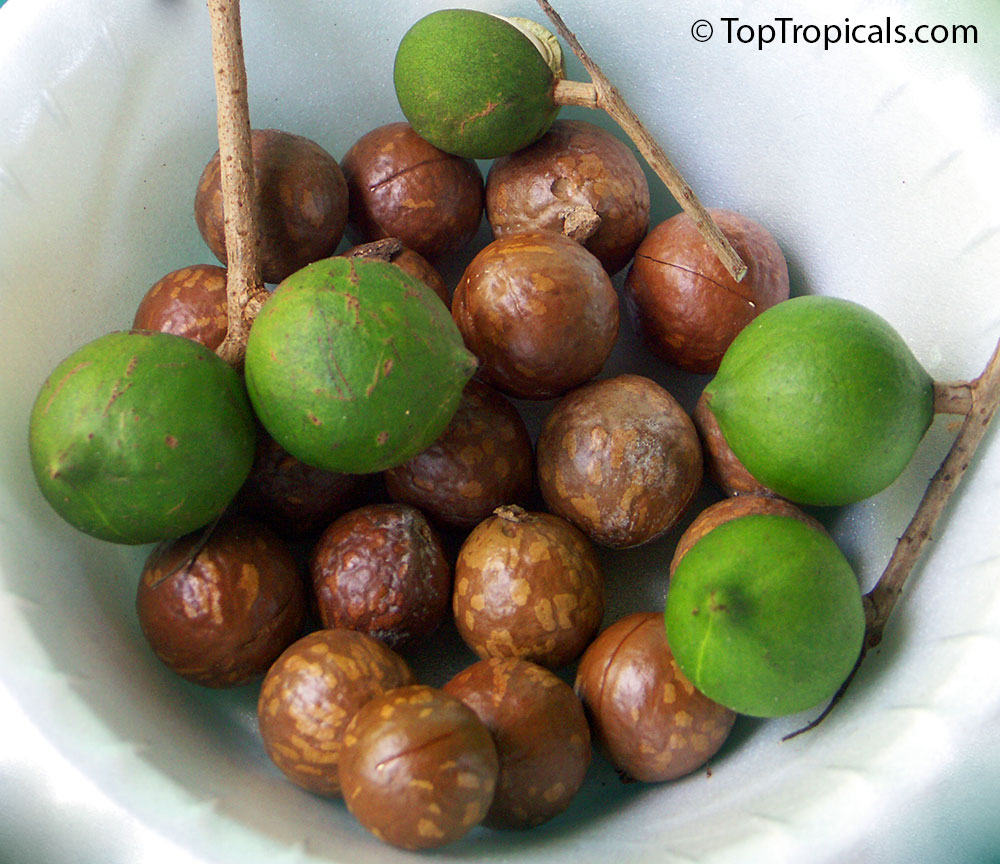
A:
[(874, 169)]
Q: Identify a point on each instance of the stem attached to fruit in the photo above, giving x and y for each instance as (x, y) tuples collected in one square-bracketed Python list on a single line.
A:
[(244, 286), (978, 400), (601, 93)]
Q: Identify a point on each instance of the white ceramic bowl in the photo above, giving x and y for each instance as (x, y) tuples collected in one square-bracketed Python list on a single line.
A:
[(874, 166)]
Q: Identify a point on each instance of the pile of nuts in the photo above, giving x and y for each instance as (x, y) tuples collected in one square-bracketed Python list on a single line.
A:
[(320, 583)]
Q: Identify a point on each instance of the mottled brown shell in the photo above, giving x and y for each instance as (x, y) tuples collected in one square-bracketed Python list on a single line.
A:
[(541, 734), (392, 250), (310, 695), (381, 569), (301, 199), (682, 300), (190, 302), (418, 767), (735, 508), (527, 585), (579, 180), (539, 312), (620, 459), (402, 186), (645, 715), (483, 460), (219, 611), (721, 463), (292, 497)]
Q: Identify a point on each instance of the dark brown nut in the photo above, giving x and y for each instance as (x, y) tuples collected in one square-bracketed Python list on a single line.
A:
[(402, 186), (392, 250), (381, 569), (301, 199), (620, 459), (292, 497), (527, 585), (734, 508), (579, 180), (310, 695), (219, 611), (189, 302), (482, 460), (721, 464), (684, 303), (418, 767), (645, 715), (541, 734), (539, 312)]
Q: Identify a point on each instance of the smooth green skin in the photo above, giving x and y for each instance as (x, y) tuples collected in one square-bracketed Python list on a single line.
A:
[(354, 366), (764, 616), (138, 437), (473, 85), (822, 400)]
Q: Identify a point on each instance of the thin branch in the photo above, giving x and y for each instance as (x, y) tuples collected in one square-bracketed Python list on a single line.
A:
[(606, 96), (244, 286), (952, 397)]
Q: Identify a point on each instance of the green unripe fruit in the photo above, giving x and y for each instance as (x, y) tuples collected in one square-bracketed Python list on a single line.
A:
[(355, 366), (138, 437), (822, 400), (473, 84), (764, 615)]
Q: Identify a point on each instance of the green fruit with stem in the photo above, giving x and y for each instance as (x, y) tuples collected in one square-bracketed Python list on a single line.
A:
[(139, 436), (354, 366), (764, 615), (476, 85), (822, 400)]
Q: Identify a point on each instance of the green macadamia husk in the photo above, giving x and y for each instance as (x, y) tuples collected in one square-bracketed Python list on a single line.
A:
[(473, 84), (355, 366), (822, 400), (139, 436), (764, 615)]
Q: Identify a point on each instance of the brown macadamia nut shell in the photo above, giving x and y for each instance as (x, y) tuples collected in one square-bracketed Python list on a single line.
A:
[(483, 459), (301, 197), (541, 734), (310, 695), (620, 459), (578, 180), (418, 767), (381, 569), (527, 585), (402, 186), (645, 715), (190, 302), (539, 312), (292, 497), (682, 300), (219, 611)]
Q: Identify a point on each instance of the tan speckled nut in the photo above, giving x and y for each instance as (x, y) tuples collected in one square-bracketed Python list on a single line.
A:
[(310, 695), (620, 459), (481, 461), (418, 767), (217, 611), (527, 585), (541, 735), (647, 717)]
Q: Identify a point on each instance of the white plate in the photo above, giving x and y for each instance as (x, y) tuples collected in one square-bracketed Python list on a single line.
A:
[(876, 168)]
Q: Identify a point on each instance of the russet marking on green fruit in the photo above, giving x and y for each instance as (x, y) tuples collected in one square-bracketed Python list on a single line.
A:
[(140, 436), (354, 366)]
